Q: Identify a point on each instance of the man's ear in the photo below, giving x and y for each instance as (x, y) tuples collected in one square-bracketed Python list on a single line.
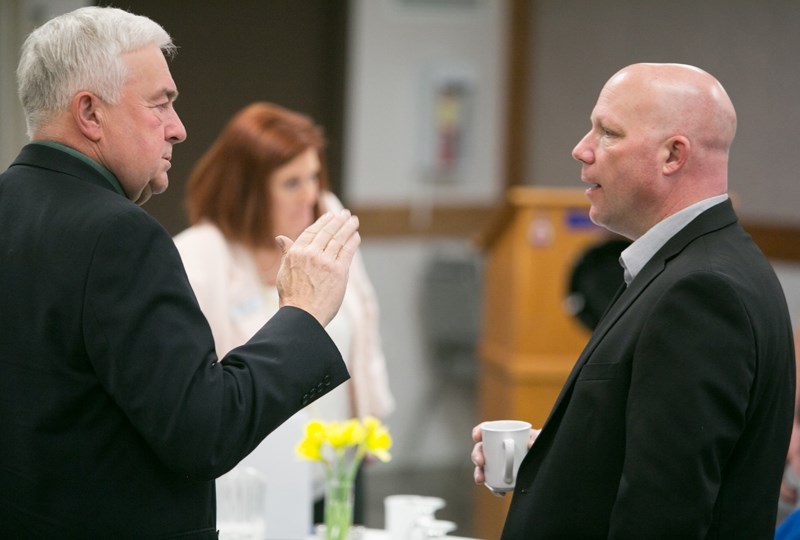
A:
[(678, 148), (85, 108)]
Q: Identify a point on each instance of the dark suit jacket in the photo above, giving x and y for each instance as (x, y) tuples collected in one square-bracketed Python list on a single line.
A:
[(115, 415), (675, 421)]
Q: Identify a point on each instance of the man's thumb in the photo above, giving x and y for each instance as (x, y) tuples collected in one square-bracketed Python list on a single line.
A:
[(284, 243)]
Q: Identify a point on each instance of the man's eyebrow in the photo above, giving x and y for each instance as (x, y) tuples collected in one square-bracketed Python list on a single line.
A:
[(168, 93)]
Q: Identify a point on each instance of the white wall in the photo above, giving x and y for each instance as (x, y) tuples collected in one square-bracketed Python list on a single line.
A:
[(396, 49)]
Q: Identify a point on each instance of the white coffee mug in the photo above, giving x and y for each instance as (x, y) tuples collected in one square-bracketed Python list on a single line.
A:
[(505, 443), (403, 511)]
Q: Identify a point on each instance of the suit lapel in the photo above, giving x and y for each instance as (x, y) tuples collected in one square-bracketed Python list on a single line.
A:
[(714, 218)]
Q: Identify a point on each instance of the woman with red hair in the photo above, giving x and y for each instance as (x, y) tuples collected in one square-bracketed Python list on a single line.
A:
[(265, 176)]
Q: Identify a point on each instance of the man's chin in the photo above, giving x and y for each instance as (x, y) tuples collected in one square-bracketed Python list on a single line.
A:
[(141, 200), (144, 196), (159, 185), (156, 187)]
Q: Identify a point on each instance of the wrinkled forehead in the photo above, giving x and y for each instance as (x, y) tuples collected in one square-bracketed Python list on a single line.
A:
[(147, 69)]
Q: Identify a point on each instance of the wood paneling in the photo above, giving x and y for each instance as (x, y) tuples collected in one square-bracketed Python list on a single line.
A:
[(778, 242), (406, 221)]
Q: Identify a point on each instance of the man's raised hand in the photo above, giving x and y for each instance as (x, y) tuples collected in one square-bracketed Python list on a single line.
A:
[(314, 268)]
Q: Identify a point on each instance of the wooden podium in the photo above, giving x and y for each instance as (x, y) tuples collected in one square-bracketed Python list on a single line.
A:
[(529, 340)]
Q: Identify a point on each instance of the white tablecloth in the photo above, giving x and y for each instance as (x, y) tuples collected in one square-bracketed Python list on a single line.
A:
[(380, 534)]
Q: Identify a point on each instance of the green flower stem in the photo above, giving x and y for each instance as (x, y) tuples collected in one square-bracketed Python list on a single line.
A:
[(338, 509)]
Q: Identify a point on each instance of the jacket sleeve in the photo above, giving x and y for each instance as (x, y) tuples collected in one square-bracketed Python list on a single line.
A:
[(686, 408), (152, 350)]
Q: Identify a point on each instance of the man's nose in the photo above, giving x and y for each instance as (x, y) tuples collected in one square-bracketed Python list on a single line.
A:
[(176, 132), (582, 152)]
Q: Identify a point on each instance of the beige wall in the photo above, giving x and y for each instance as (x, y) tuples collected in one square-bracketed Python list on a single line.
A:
[(752, 47)]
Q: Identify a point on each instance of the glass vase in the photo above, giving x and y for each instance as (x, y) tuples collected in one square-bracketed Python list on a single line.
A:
[(338, 509)]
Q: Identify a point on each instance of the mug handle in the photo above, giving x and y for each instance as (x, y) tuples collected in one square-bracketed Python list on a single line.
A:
[(508, 448)]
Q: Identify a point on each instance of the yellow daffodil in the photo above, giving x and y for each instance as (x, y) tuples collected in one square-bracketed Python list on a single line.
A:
[(369, 436), (345, 434), (341, 446), (311, 446), (377, 440)]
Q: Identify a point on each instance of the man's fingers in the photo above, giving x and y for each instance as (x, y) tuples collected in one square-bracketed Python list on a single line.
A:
[(344, 242), (284, 242), (477, 456), (344, 238), (348, 250), (325, 229), (335, 234), (313, 230), (478, 476), (314, 268)]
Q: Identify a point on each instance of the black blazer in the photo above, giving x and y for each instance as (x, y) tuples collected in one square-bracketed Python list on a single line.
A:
[(115, 413), (676, 419)]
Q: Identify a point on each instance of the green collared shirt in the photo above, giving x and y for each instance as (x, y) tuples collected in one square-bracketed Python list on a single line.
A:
[(108, 175)]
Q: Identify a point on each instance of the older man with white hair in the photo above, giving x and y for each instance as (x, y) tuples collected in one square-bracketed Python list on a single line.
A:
[(117, 415)]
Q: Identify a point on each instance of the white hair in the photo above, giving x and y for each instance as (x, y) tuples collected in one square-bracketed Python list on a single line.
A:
[(77, 51)]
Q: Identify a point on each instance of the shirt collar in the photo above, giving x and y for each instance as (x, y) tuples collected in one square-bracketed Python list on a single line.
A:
[(108, 175), (639, 253)]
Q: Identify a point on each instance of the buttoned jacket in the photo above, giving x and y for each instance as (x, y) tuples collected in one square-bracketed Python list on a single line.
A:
[(675, 421), (116, 415)]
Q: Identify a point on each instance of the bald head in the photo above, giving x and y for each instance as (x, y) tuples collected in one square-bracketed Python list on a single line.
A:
[(679, 99), (659, 142)]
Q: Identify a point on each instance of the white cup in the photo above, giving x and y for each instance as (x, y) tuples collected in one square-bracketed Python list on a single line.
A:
[(505, 443), (403, 511)]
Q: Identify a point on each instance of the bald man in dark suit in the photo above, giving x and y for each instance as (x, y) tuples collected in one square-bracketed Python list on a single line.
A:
[(675, 420)]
